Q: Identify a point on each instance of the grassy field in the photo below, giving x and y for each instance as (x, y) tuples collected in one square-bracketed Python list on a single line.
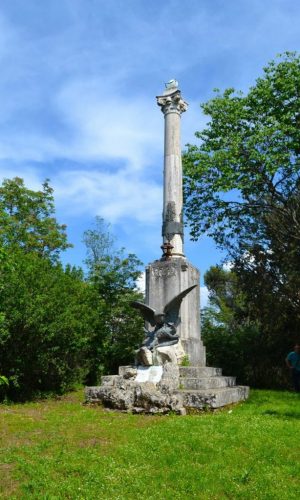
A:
[(62, 449)]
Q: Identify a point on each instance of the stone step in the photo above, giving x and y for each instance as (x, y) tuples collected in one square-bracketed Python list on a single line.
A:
[(128, 372), (213, 398), (199, 371), (109, 379), (206, 382)]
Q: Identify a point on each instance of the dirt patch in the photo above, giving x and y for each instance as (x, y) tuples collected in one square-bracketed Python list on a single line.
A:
[(92, 442), (9, 486), (71, 397)]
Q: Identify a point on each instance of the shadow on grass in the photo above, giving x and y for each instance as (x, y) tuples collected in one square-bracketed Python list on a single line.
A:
[(279, 414)]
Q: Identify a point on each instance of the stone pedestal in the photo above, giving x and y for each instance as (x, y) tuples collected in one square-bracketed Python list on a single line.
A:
[(161, 389), (165, 280)]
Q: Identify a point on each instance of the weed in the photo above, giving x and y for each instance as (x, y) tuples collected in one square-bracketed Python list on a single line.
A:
[(185, 361)]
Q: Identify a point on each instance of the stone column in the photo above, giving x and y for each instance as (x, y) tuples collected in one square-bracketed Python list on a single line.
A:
[(173, 274), (172, 105)]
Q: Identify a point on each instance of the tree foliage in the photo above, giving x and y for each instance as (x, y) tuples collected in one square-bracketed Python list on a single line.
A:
[(240, 334), (47, 325), (242, 182), (27, 220), (242, 187), (59, 327), (112, 276)]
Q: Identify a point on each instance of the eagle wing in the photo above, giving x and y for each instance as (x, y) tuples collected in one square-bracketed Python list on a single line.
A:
[(146, 311), (172, 308)]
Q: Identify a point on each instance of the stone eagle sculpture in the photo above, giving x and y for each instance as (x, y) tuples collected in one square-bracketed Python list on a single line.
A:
[(164, 322)]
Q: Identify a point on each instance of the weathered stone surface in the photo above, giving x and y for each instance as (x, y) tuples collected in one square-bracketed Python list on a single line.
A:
[(154, 401), (214, 398), (144, 357), (172, 105), (108, 379), (165, 280), (170, 378), (199, 371), (207, 382), (128, 371), (131, 373), (168, 354), (155, 394), (178, 388), (111, 397)]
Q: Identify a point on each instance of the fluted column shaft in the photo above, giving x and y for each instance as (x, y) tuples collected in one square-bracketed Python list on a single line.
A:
[(172, 105)]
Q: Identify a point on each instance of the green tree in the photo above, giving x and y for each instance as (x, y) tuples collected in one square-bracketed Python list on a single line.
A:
[(242, 187), (47, 323), (238, 333), (45, 320), (57, 326), (99, 242), (27, 220), (242, 181), (112, 275)]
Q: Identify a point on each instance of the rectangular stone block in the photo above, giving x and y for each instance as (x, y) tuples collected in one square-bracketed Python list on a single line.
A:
[(207, 382), (165, 280), (214, 398), (199, 371)]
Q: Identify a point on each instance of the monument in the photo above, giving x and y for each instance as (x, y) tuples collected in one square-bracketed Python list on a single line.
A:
[(173, 273), (170, 372)]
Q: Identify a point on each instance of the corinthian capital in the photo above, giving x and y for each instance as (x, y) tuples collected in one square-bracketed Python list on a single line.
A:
[(172, 102)]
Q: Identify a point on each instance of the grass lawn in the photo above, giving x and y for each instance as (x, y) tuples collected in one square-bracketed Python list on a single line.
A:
[(61, 449)]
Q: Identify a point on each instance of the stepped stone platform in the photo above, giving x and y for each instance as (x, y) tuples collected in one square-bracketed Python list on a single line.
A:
[(161, 389)]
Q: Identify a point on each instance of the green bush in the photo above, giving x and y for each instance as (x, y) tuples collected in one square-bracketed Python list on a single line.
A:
[(47, 326)]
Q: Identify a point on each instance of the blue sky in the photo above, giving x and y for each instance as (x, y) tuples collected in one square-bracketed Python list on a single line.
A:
[(77, 98)]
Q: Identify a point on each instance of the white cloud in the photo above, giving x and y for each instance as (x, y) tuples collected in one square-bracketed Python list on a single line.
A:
[(227, 266), (203, 296), (108, 125), (29, 146), (141, 283), (30, 175), (114, 196), (8, 37), (78, 89), (96, 125)]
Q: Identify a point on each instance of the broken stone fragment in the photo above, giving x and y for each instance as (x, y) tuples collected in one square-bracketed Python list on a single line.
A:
[(168, 354)]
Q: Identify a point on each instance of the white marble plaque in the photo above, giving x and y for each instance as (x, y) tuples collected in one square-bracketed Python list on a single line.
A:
[(149, 374)]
